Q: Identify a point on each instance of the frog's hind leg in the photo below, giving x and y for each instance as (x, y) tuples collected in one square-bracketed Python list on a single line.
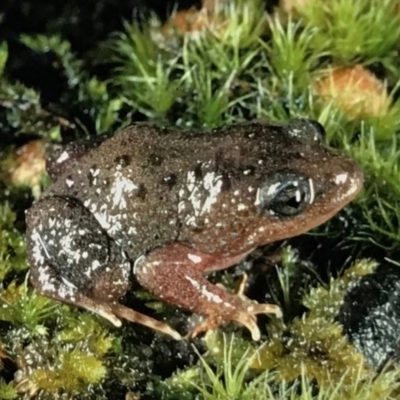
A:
[(175, 274), (73, 260)]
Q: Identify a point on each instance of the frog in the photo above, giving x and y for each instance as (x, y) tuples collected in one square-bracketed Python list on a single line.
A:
[(165, 206)]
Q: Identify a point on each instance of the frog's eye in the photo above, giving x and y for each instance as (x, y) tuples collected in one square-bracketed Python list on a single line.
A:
[(285, 194)]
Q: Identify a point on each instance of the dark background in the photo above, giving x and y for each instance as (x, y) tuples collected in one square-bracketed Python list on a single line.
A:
[(82, 22)]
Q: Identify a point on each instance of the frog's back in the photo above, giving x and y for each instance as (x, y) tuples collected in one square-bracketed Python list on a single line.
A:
[(149, 186)]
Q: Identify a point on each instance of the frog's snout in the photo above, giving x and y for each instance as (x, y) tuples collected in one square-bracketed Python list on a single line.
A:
[(347, 183)]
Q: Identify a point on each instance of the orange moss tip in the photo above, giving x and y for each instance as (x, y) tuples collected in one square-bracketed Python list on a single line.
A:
[(209, 17), (355, 90), (293, 7), (29, 165), (190, 21)]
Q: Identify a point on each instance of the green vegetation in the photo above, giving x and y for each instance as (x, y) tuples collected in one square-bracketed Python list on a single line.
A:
[(236, 63)]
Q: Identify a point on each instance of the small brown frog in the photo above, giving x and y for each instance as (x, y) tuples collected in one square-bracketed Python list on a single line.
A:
[(168, 206)]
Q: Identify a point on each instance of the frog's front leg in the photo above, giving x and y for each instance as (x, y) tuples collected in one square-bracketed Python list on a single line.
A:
[(73, 260), (175, 274)]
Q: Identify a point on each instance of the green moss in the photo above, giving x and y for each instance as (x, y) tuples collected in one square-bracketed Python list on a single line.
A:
[(356, 30), (7, 391), (231, 375), (73, 371), (85, 330), (21, 306), (12, 244), (3, 56)]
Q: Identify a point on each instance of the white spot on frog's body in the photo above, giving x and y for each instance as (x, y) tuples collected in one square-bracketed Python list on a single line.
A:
[(88, 272), (39, 248), (120, 188), (76, 257), (67, 290), (213, 185), (200, 194), (194, 258), (69, 182), (111, 223), (66, 245), (353, 187), (155, 263), (64, 156), (46, 280), (68, 283), (132, 230), (94, 171), (341, 178), (258, 197), (203, 291), (95, 264)]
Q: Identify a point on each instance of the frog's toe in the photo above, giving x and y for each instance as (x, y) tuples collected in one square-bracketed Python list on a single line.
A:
[(256, 308), (139, 318), (208, 324), (249, 321), (248, 318)]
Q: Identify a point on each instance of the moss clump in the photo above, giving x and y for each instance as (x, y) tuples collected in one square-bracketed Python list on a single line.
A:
[(71, 371), (357, 30), (314, 344), (21, 306), (7, 391), (12, 244)]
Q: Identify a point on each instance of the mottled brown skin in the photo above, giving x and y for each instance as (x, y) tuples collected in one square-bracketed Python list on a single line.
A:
[(178, 204)]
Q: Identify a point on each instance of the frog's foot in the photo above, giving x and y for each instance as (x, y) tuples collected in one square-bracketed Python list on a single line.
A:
[(246, 318), (134, 316)]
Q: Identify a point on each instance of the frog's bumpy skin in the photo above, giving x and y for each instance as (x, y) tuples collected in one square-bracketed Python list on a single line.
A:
[(179, 204)]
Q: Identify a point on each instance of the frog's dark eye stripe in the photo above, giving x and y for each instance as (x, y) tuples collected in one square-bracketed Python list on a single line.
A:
[(285, 194)]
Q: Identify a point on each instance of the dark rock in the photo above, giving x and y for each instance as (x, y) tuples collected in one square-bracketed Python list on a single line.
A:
[(371, 316)]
